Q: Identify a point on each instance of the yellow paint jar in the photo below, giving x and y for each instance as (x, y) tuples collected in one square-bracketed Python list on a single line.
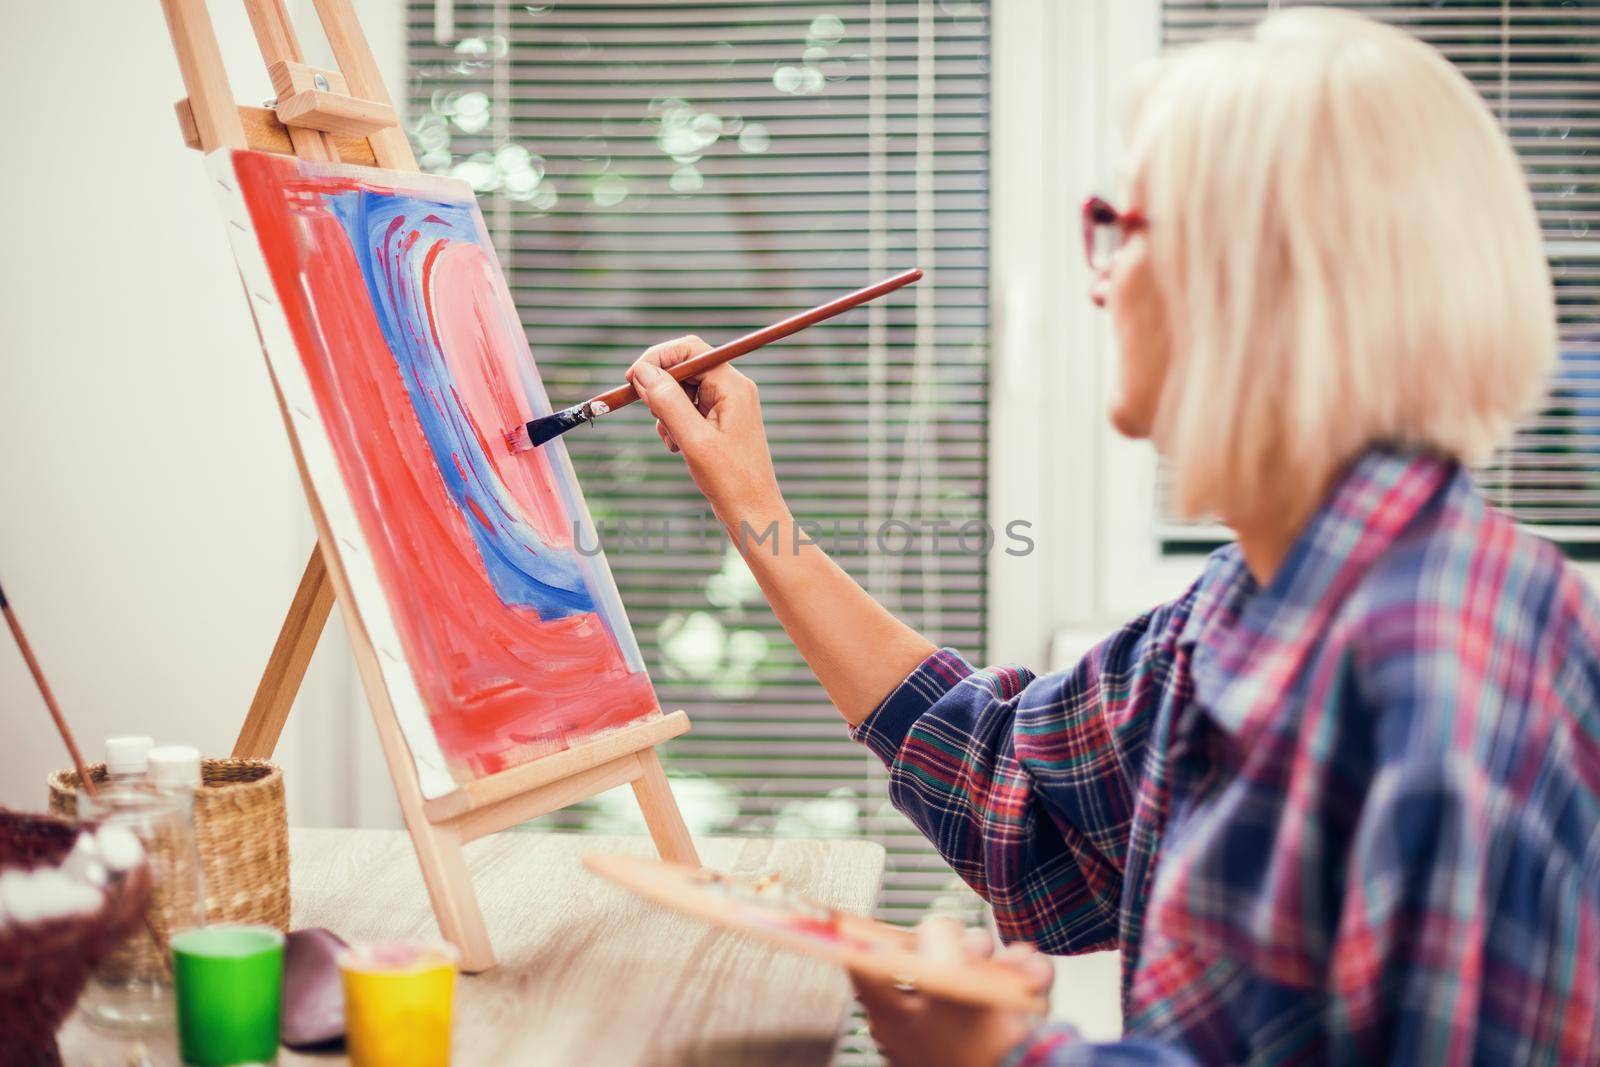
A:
[(397, 1004)]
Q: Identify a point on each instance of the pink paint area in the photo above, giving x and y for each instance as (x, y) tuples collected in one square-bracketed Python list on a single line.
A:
[(392, 957), (480, 343), (825, 928), (411, 344)]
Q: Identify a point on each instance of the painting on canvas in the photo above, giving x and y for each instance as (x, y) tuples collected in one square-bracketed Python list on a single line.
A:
[(400, 360)]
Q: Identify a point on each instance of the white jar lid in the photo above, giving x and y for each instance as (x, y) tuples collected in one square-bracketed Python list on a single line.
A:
[(128, 755), (175, 766)]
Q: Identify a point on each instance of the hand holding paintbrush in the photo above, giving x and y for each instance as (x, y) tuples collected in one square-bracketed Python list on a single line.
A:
[(715, 421), (549, 427)]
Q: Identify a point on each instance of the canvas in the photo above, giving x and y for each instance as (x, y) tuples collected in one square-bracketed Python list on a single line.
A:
[(400, 360)]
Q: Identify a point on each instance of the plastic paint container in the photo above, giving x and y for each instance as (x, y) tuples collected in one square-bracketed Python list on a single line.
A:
[(397, 1003), (228, 982)]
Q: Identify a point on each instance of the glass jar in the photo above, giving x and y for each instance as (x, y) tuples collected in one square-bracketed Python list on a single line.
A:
[(132, 987)]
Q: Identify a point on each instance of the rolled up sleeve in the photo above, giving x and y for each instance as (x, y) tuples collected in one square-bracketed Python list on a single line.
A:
[(885, 729)]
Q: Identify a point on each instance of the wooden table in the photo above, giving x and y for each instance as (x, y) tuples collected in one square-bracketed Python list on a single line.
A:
[(588, 974)]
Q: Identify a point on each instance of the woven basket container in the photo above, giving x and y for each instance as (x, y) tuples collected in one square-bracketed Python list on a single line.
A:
[(43, 966), (242, 827)]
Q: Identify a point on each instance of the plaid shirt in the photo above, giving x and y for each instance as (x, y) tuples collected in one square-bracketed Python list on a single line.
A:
[(1350, 817)]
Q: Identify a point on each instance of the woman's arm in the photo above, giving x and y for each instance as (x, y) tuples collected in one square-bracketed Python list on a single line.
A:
[(858, 651), (1026, 786)]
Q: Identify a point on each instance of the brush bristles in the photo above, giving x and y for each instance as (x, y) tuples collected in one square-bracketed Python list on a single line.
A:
[(517, 440), (547, 428)]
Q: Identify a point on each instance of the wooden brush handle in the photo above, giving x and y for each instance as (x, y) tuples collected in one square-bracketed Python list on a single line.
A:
[(84, 781), (623, 395)]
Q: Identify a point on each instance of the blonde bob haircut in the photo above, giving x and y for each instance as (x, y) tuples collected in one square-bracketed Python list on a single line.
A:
[(1347, 252)]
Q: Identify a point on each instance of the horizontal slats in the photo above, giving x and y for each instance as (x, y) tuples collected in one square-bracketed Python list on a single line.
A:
[(572, 131)]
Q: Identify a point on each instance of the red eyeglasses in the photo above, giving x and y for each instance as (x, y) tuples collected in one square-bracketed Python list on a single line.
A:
[(1106, 230)]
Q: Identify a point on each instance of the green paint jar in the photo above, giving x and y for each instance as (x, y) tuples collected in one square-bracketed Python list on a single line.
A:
[(228, 986)]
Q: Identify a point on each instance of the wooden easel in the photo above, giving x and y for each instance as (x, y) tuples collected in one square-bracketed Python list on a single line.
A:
[(346, 115)]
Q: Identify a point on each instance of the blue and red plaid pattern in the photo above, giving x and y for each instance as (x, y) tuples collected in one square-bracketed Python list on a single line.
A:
[(1352, 816)]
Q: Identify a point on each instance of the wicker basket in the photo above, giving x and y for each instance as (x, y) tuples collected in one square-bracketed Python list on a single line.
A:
[(43, 966), (242, 827)]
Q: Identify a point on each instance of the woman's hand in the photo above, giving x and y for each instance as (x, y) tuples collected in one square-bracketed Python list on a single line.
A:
[(913, 1028), (714, 419)]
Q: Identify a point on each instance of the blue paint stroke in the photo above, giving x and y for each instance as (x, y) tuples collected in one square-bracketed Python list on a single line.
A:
[(525, 571)]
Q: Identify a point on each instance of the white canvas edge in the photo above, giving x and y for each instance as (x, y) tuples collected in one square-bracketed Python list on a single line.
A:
[(316, 449)]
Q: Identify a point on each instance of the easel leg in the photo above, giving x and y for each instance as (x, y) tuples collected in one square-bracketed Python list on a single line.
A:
[(661, 812), (286, 668), (455, 905)]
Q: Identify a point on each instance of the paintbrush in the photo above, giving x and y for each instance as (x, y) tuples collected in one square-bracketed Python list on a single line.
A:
[(549, 427), (49, 697)]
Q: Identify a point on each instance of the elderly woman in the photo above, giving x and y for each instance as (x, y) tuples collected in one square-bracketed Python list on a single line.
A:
[(1339, 801)]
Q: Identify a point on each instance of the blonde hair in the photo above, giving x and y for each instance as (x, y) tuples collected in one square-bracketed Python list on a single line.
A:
[(1347, 251)]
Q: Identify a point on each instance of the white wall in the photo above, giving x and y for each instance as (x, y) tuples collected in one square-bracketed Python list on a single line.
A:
[(152, 526)]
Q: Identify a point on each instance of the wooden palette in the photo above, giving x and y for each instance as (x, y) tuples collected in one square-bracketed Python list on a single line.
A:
[(767, 910)]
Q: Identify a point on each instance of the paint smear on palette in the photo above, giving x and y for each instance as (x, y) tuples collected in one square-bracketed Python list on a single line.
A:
[(415, 355)]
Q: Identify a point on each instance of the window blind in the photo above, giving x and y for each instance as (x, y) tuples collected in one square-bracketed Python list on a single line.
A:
[(1537, 65), (651, 168)]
